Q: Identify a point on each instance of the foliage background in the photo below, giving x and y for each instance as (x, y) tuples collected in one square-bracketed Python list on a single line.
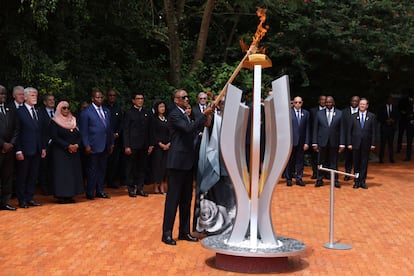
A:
[(342, 48)]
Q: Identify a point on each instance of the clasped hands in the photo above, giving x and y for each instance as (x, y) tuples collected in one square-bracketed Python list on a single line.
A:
[(73, 148)]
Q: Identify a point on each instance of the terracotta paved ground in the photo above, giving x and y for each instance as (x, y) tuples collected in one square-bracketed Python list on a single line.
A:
[(121, 236)]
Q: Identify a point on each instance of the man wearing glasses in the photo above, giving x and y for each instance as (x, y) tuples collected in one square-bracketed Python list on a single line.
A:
[(180, 164), (300, 142)]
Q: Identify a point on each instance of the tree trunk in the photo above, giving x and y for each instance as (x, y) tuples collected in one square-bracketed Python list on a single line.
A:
[(203, 34), (172, 18)]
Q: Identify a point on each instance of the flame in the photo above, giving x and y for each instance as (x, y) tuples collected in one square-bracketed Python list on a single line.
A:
[(260, 33), (261, 30)]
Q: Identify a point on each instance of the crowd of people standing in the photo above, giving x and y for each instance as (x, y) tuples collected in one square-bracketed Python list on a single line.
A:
[(327, 133), (104, 145)]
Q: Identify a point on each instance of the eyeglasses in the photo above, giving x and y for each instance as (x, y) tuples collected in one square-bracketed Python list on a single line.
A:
[(65, 107), (297, 102), (203, 98), (182, 97), (139, 98)]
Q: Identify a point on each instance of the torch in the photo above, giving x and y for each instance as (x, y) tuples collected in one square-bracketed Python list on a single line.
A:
[(260, 33)]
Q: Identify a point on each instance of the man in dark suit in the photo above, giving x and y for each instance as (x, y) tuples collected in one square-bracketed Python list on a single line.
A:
[(98, 140), (47, 113), (347, 115), (300, 143), (180, 164), (31, 146), (8, 139), (405, 105), (114, 160), (137, 125), (314, 155), (388, 116), (410, 131), (328, 137), (361, 139)]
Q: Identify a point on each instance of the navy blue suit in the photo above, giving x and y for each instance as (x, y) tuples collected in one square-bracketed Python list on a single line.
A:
[(328, 137), (300, 132), (30, 141), (98, 135), (361, 140)]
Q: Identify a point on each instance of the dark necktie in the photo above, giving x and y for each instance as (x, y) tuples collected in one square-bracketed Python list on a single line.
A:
[(51, 113), (362, 120), (298, 117), (2, 109), (34, 115)]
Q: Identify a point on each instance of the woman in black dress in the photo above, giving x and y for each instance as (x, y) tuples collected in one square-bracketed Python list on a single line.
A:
[(67, 169), (161, 142)]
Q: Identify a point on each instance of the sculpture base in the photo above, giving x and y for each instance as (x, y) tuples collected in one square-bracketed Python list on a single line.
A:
[(251, 264), (262, 259)]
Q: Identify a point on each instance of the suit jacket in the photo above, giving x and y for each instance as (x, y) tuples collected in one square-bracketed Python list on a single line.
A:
[(386, 124), (328, 135), (181, 154), (346, 119), (8, 127), (137, 129), (300, 132), (362, 137), (94, 132), (31, 139), (45, 121)]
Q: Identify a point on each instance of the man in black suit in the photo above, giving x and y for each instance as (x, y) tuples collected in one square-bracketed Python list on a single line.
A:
[(137, 125), (180, 164), (388, 116), (300, 142), (347, 115), (410, 131), (31, 146), (314, 155), (361, 139), (405, 106), (8, 137), (328, 137), (47, 113), (113, 170)]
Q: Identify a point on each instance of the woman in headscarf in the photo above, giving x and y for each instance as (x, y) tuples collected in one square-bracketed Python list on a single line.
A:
[(67, 169)]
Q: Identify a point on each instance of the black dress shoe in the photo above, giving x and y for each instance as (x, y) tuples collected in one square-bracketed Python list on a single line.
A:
[(356, 186), (90, 197), (168, 240), (300, 183), (337, 185), (33, 203), (363, 186), (142, 193), (8, 207), (187, 237), (289, 183), (132, 194), (103, 195), (23, 205), (319, 183)]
